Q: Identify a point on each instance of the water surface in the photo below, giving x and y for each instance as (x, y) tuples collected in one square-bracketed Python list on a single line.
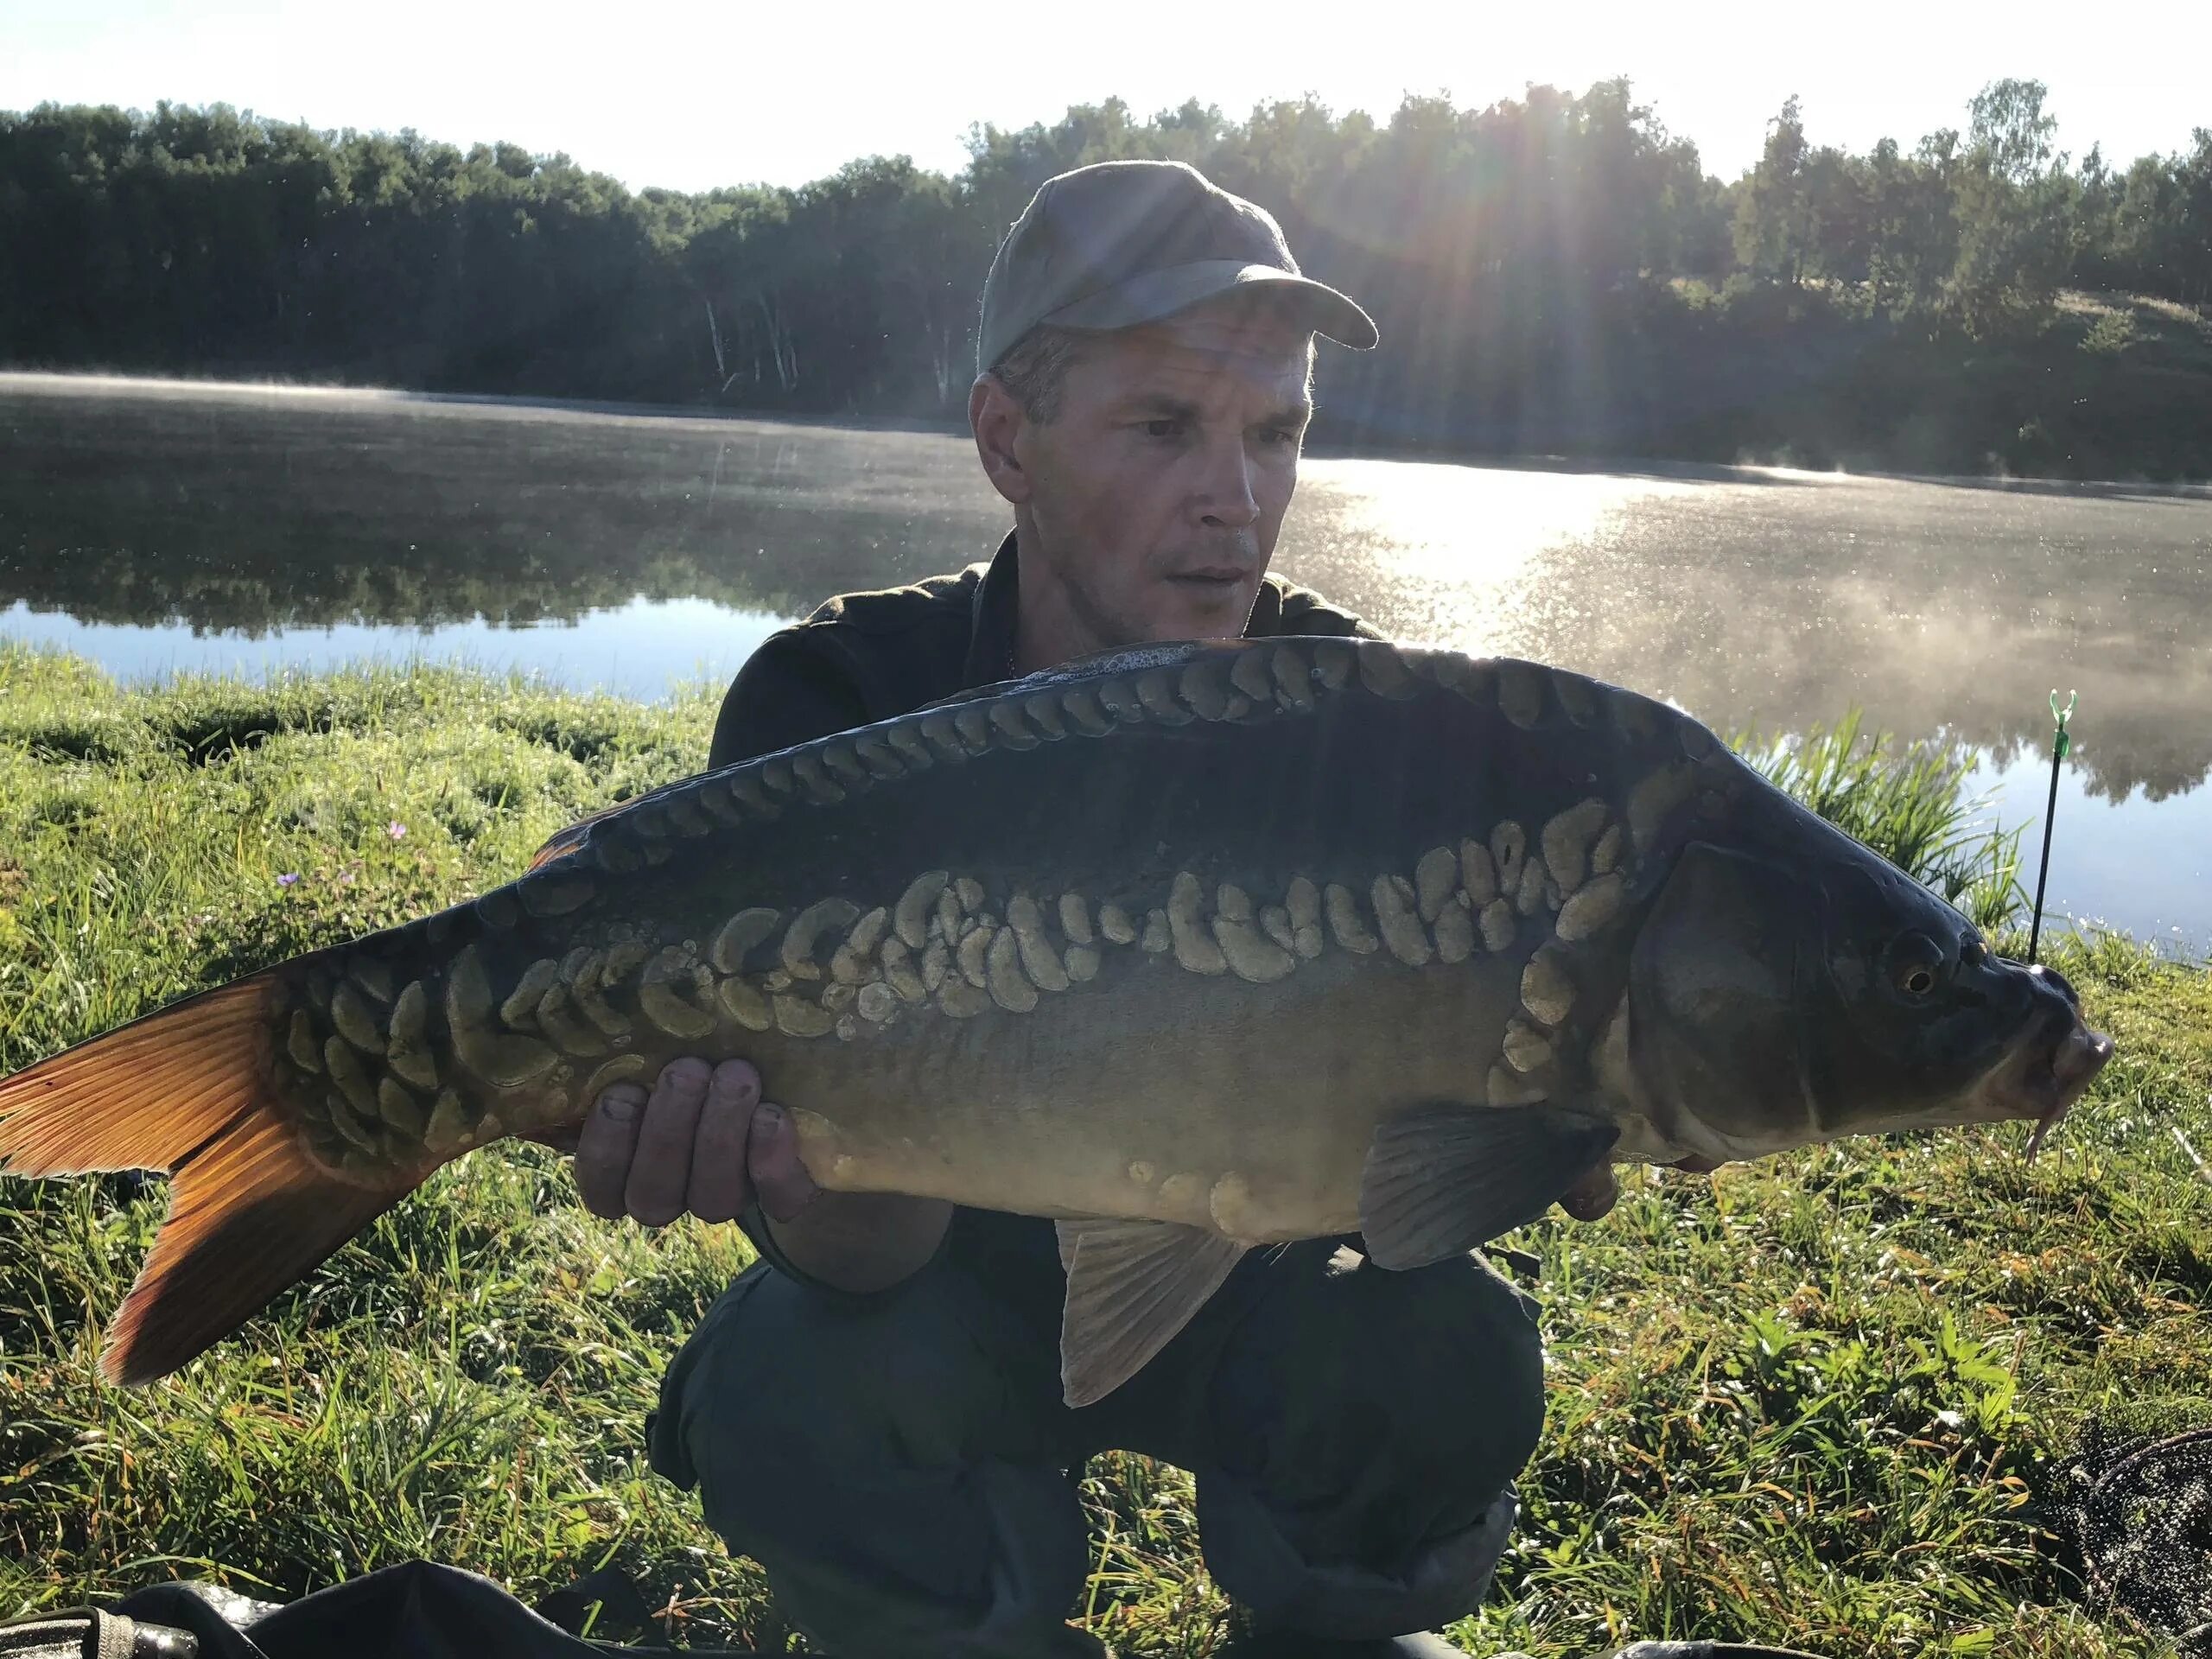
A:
[(160, 527)]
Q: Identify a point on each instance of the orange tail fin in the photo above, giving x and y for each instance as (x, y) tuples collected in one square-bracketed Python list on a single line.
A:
[(186, 1090)]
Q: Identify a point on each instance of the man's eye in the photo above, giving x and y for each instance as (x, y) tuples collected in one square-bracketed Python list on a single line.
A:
[(1162, 428), (1277, 436)]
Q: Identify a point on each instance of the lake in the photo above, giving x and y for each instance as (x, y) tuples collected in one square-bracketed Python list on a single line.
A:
[(158, 527)]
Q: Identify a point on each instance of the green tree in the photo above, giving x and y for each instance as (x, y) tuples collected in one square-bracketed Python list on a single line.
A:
[(1774, 209), (2009, 130), (1520, 257), (2016, 211)]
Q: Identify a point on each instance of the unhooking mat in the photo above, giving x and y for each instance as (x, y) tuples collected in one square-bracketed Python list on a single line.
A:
[(416, 1609)]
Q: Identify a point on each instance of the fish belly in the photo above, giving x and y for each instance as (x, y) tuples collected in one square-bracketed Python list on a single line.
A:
[(1157, 1093)]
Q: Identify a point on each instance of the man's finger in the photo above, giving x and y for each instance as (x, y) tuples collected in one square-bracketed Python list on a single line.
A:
[(660, 1175), (605, 1146), (1592, 1195), (720, 1186), (781, 1180)]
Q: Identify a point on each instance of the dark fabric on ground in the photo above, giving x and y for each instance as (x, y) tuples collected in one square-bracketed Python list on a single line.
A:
[(419, 1611), (413, 1611)]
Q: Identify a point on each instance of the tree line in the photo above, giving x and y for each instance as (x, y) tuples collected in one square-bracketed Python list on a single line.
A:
[(1555, 266), (1977, 229)]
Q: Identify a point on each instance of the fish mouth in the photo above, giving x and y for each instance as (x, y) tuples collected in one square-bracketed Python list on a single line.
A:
[(2037, 1080), (2047, 1072), (2042, 1079)]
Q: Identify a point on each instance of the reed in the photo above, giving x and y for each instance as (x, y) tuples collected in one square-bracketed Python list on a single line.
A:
[(1910, 801)]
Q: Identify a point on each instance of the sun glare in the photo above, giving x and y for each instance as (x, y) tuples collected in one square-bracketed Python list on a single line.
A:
[(1456, 554)]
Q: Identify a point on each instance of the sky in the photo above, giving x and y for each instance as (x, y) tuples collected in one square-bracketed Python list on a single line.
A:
[(693, 93)]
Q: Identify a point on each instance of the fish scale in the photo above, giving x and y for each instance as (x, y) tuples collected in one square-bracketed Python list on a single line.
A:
[(1194, 947)]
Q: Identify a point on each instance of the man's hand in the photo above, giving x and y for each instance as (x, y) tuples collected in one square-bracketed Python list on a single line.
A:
[(1597, 1191), (704, 1143)]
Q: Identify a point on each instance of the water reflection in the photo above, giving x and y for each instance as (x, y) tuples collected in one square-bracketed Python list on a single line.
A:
[(248, 511), (167, 527)]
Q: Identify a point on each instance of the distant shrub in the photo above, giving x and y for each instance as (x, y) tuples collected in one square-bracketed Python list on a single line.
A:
[(2110, 334)]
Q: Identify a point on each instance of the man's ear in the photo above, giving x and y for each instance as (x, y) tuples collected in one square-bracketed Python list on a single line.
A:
[(996, 417)]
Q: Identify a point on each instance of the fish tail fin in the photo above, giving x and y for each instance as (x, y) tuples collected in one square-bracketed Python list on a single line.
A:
[(186, 1090), (251, 1214)]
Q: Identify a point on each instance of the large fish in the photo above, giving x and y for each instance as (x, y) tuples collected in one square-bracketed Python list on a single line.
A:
[(1195, 948)]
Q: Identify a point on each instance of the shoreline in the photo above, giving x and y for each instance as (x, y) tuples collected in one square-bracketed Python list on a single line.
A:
[(65, 382)]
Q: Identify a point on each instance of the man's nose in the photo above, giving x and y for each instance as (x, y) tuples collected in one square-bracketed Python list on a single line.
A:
[(1226, 499)]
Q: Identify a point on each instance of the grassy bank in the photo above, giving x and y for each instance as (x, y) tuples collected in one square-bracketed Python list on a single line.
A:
[(1828, 1399), (2110, 387)]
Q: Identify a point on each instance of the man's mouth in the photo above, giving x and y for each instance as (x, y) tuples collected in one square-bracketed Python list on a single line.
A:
[(1221, 575)]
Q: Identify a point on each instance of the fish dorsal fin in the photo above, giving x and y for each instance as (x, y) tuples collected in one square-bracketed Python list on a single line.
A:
[(571, 839), (1440, 1180), (1132, 1285)]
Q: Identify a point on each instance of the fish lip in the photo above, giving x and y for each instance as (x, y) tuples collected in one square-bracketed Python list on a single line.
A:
[(2041, 1080)]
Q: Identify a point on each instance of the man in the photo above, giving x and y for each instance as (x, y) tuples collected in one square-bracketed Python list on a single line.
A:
[(873, 1411)]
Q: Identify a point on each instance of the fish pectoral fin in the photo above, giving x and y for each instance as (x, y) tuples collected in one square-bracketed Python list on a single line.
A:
[(1132, 1285), (1439, 1180)]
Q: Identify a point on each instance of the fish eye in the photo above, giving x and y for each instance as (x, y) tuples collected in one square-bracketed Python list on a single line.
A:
[(1915, 964)]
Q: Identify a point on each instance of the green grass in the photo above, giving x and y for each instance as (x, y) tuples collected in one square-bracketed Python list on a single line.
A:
[(1826, 1399)]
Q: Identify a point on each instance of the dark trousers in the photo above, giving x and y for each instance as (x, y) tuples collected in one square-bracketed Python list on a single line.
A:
[(902, 1465)]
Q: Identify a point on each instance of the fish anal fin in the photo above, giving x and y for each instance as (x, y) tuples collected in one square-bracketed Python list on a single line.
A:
[(1441, 1180), (1132, 1285)]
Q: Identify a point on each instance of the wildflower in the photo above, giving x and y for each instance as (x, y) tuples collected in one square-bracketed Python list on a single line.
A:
[(396, 830), (288, 879)]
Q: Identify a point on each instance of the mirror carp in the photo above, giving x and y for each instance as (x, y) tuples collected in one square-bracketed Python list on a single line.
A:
[(1193, 948)]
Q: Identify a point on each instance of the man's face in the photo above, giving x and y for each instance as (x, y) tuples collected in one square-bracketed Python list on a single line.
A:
[(1155, 493)]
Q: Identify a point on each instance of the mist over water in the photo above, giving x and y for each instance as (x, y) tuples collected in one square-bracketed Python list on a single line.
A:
[(164, 527)]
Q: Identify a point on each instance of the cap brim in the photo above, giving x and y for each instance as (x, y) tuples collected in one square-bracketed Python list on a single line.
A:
[(1161, 294)]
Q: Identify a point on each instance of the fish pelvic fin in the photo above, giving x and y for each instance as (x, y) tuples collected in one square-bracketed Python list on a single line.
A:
[(186, 1090)]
